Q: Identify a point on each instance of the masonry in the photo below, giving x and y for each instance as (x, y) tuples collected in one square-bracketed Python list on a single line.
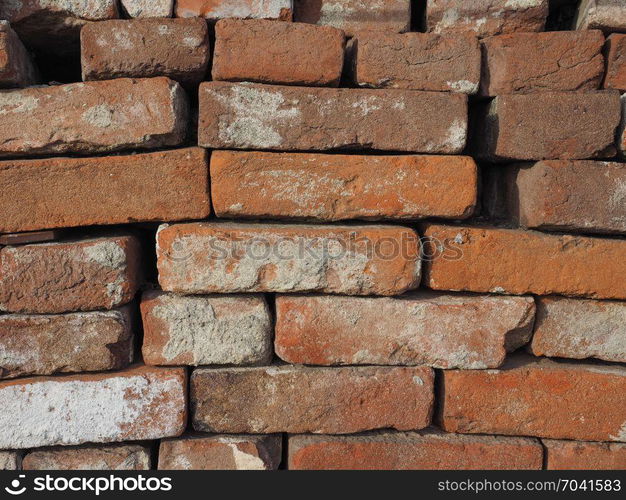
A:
[(303, 234)]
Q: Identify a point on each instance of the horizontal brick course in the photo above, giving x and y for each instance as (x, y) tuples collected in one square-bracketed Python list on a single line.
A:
[(69, 192), (252, 116), (443, 331), (607, 15), (579, 455), (319, 400), (110, 457), (340, 187)]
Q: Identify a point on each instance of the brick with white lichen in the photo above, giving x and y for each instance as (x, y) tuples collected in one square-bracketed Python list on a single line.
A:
[(243, 9), (148, 8)]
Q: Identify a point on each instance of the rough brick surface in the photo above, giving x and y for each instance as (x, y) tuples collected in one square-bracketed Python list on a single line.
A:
[(251, 116), (38, 344), (520, 262), (413, 451), (572, 328), (16, 66), (354, 16), (419, 61), (578, 455), (111, 457), (141, 48), (486, 19), (233, 257), (340, 187), (318, 400), (621, 132), (136, 404), (221, 453), (444, 331), (208, 330), (537, 397), (148, 8), (246, 9), (607, 15), (258, 50), (69, 192), (548, 125), (97, 273), (587, 196), (537, 62), (92, 117), (10, 460), (615, 62)]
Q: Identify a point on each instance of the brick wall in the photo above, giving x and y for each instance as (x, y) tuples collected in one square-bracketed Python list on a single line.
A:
[(312, 234)]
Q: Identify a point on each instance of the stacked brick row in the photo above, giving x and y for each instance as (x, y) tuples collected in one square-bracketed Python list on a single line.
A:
[(301, 235)]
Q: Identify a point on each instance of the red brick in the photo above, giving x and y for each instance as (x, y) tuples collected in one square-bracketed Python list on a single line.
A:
[(537, 397), (92, 117), (111, 457), (615, 62), (225, 452), (354, 16), (419, 61), (252, 116), (444, 331), (538, 62), (547, 126), (39, 344), (201, 258), (69, 192), (246, 9), (85, 275), (176, 48), (319, 400), (16, 66), (206, 330), (132, 405), (258, 50), (494, 18), (607, 15), (339, 187), (519, 262), (580, 455), (586, 196), (430, 449), (574, 328)]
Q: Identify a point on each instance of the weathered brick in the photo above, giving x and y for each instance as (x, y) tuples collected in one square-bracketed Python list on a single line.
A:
[(246, 9), (607, 15), (486, 19), (10, 460), (519, 262), (16, 66), (585, 196), (142, 48), (621, 132), (339, 187), (148, 8), (443, 331), (257, 50), (615, 62), (226, 452), (253, 116), (141, 403), (55, 25), (573, 328), (69, 192), (547, 125), (419, 61), (428, 449), (353, 16), (40, 344), (92, 117), (537, 62), (208, 330), (96, 273), (537, 397), (318, 400), (573, 455), (110, 457), (233, 257)]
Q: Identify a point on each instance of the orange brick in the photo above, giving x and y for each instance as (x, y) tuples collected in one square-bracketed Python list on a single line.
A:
[(580, 455)]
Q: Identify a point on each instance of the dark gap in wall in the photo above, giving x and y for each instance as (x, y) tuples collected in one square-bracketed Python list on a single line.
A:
[(58, 68), (439, 396), (418, 15), (284, 460), (561, 16)]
